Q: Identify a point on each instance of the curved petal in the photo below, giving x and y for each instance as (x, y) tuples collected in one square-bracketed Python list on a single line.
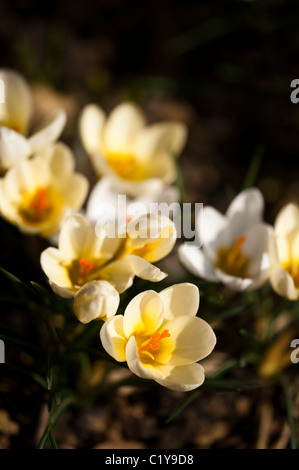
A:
[(91, 122), (119, 273), (16, 111), (145, 371), (233, 282), (282, 283), (144, 314), (62, 291), (123, 124), (13, 147), (150, 237), (256, 246), (95, 300), (196, 262), (245, 210), (193, 339), (54, 267), (183, 378), (143, 269), (180, 299), (113, 338), (102, 201), (213, 222), (287, 219), (49, 130), (75, 191), (76, 237), (166, 137), (138, 188)]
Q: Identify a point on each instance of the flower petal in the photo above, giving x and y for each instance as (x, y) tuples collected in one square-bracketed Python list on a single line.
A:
[(287, 219), (180, 299), (95, 300), (145, 270), (233, 282), (183, 378), (196, 262), (76, 237), (54, 267), (120, 130), (166, 137), (113, 338), (145, 371), (144, 314), (13, 147), (16, 111), (245, 210), (91, 122), (49, 130), (282, 283), (193, 339)]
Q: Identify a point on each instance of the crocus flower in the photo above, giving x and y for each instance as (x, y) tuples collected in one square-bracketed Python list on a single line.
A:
[(37, 193), (83, 255), (284, 253), (161, 338), (106, 204), (234, 246), (15, 116), (138, 156)]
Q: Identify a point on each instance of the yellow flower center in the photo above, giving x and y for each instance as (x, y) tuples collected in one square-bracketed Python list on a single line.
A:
[(149, 346), (125, 166), (82, 271), (232, 261), (37, 206)]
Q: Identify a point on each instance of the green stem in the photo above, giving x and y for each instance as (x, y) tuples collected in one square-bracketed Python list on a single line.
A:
[(49, 433), (289, 408)]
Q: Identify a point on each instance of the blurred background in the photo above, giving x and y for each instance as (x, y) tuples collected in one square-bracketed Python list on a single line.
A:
[(225, 69)]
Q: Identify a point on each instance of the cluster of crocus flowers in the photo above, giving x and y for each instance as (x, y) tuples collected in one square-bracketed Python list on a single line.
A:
[(284, 253), (235, 245), (138, 157), (161, 338), (85, 255), (16, 112), (37, 193)]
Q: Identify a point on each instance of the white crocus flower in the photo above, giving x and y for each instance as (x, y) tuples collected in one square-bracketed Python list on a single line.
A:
[(161, 338), (284, 253), (15, 116), (105, 204), (138, 156), (84, 255), (234, 247), (37, 193)]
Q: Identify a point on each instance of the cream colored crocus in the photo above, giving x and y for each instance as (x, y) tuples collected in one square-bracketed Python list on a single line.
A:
[(284, 253), (106, 204), (234, 247), (85, 255), (37, 193), (138, 156), (16, 110), (161, 338)]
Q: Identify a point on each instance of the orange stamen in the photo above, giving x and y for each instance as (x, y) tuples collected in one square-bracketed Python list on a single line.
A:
[(153, 342), (40, 201), (86, 266), (238, 245)]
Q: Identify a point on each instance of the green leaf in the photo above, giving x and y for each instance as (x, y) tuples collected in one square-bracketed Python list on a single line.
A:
[(254, 167)]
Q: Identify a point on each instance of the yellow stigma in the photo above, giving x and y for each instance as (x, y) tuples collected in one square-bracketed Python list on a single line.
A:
[(154, 341), (125, 166), (37, 206), (232, 261)]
